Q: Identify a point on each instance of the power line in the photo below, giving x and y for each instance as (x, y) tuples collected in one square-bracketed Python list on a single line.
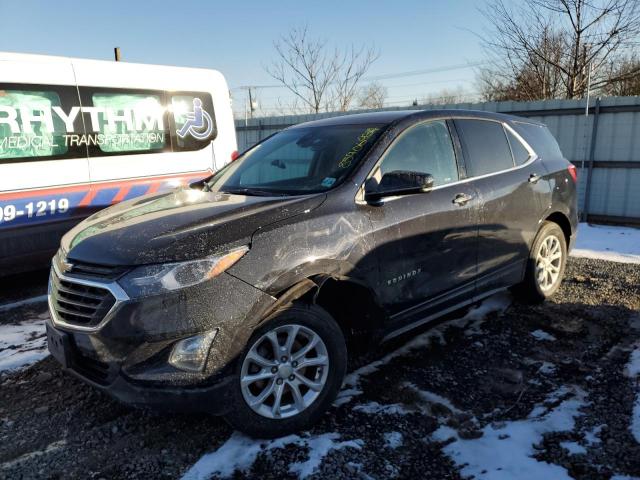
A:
[(411, 73), (402, 85)]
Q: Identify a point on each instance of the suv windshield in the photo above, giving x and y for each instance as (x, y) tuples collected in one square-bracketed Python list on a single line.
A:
[(298, 161)]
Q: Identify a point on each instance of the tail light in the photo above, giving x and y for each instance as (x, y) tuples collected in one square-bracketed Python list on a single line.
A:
[(573, 171), (234, 155)]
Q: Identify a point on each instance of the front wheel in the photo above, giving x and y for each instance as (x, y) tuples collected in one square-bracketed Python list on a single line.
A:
[(289, 373), (545, 266)]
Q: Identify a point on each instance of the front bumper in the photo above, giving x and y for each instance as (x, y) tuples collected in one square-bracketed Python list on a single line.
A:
[(109, 378), (127, 354)]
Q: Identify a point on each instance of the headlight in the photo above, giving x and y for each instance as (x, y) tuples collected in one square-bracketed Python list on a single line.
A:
[(166, 277), (191, 353)]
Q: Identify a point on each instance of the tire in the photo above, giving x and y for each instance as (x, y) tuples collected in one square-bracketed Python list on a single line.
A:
[(261, 379), (534, 289)]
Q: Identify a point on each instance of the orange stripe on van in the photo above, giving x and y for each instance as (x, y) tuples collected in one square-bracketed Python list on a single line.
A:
[(92, 188)]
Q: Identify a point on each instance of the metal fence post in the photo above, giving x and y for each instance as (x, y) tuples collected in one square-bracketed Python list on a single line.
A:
[(592, 151)]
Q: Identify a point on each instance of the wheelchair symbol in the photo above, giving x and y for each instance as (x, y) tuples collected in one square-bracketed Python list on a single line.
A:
[(198, 123)]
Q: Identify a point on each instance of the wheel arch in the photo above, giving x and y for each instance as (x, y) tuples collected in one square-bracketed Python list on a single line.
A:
[(352, 304), (563, 222)]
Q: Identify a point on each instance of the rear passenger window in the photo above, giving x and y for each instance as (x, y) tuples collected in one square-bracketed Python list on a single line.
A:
[(486, 146), (424, 148), (29, 125), (520, 153), (540, 139)]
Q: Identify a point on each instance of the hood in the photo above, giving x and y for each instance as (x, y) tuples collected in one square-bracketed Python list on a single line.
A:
[(184, 224)]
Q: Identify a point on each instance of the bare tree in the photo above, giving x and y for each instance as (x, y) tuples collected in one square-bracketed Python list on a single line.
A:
[(545, 48), (624, 78), (320, 76), (446, 97), (529, 78), (372, 96), (355, 64)]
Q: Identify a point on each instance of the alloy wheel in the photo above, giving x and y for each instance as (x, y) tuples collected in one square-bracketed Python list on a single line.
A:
[(284, 371), (548, 262)]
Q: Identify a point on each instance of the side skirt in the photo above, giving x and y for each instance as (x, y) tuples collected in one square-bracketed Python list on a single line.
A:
[(435, 316)]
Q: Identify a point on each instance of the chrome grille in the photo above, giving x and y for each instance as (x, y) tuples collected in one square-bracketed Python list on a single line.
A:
[(79, 304)]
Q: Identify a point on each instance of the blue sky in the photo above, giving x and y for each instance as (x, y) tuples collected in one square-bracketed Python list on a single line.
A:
[(237, 37)]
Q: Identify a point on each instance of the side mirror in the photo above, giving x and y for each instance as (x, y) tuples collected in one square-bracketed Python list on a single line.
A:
[(398, 182)]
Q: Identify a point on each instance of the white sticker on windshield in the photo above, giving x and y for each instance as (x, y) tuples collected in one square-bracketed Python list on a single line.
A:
[(328, 181)]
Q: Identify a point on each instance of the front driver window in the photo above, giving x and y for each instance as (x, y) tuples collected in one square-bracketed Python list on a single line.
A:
[(423, 148)]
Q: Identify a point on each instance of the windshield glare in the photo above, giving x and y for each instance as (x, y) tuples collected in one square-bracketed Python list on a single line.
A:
[(298, 161)]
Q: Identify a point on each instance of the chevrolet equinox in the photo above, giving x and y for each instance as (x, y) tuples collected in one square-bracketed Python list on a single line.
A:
[(242, 294)]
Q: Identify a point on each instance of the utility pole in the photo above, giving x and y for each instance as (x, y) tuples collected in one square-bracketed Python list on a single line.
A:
[(588, 65), (250, 103), (116, 53), (586, 108)]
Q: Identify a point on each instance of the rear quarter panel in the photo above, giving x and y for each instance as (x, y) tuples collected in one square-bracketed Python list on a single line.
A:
[(564, 197)]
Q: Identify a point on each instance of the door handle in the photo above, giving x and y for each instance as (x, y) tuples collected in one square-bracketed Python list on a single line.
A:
[(533, 178), (462, 199)]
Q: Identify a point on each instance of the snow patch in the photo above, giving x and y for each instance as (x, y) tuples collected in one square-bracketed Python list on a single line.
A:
[(22, 344), (635, 419), (52, 447), (633, 371), (375, 408), (239, 453), (472, 321), (319, 447), (393, 440), (547, 368), (633, 367), (542, 335), (507, 452), (616, 244), (592, 437), (345, 396), (432, 397), (574, 448)]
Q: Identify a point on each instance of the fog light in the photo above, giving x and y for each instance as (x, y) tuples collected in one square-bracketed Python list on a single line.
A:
[(191, 353)]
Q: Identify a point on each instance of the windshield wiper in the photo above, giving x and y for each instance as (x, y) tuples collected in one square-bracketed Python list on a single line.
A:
[(253, 192)]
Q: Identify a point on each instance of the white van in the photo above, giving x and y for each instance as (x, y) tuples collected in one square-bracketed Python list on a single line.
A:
[(80, 135)]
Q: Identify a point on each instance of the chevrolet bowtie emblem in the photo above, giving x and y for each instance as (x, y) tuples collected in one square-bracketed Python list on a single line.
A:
[(65, 266)]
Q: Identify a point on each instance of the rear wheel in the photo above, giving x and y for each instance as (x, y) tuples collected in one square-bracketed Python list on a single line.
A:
[(289, 374), (545, 266)]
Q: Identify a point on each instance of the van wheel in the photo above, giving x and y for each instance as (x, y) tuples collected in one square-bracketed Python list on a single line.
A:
[(289, 374), (545, 266)]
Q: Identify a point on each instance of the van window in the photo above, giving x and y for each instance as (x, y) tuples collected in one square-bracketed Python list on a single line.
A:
[(486, 146), (424, 148), (520, 153), (29, 128), (194, 120), (130, 122)]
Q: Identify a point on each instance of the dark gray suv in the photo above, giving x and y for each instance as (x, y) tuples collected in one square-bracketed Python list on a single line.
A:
[(242, 294)]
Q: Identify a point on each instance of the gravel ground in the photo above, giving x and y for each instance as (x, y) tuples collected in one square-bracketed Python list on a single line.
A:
[(403, 416)]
